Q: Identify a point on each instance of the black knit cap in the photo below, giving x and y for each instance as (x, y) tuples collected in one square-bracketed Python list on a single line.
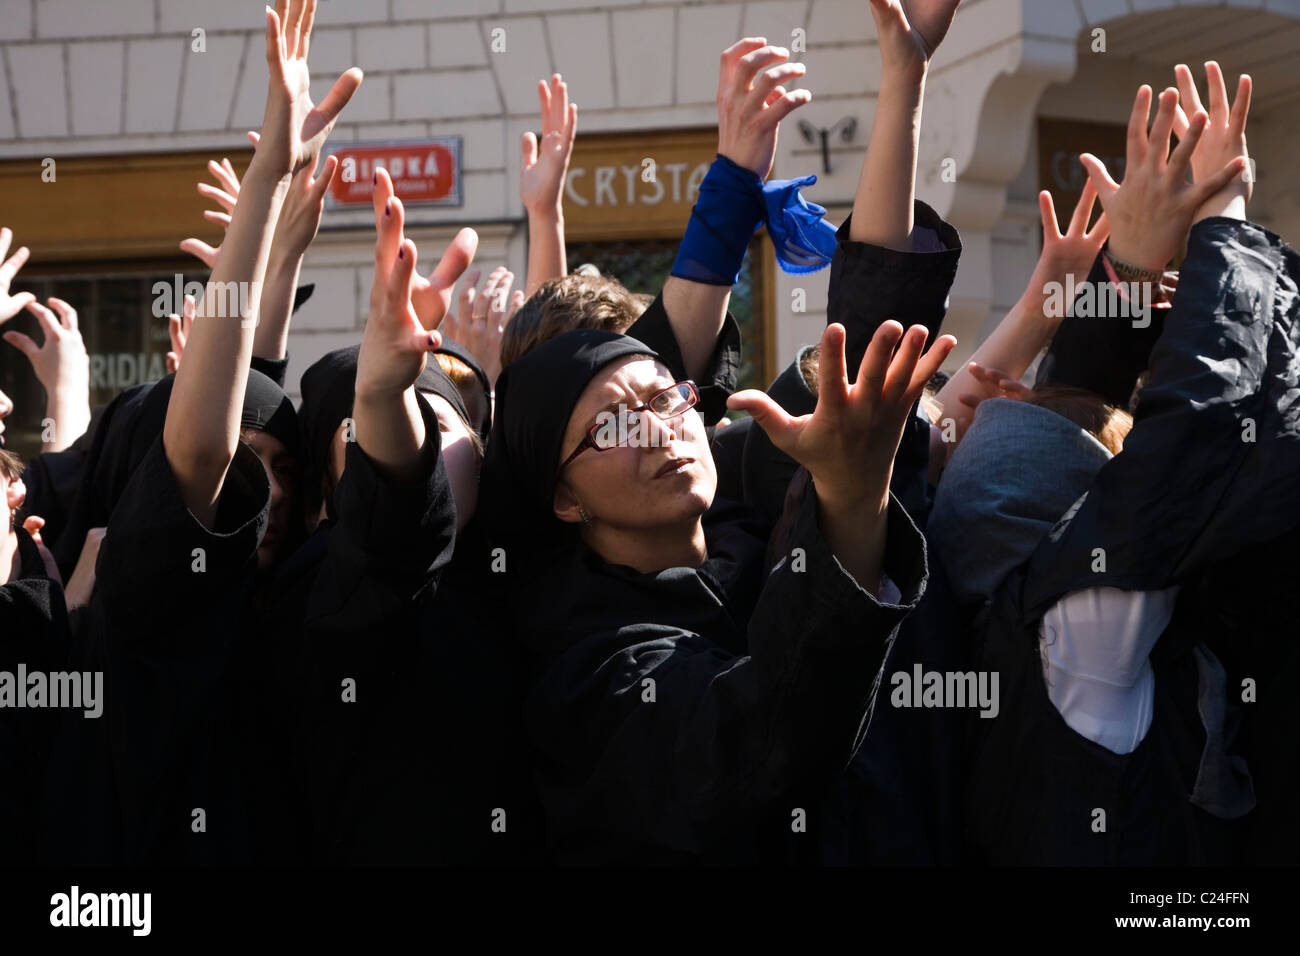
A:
[(536, 395)]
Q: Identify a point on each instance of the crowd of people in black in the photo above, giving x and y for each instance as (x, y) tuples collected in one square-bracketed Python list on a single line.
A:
[(503, 589)]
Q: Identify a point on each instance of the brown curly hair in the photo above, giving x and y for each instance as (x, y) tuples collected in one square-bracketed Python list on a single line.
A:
[(567, 303)]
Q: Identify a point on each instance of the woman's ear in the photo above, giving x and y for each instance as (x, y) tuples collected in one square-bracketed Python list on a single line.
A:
[(565, 504), (15, 494)]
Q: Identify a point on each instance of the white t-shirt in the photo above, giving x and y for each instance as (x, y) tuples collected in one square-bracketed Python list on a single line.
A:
[(1096, 646)]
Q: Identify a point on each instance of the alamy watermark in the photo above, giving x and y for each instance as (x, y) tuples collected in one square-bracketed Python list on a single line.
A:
[(628, 428), (64, 689), (1088, 300), (77, 909), (221, 300), (946, 689)]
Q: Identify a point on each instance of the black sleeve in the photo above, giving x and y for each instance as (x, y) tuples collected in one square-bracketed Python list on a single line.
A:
[(51, 479), (723, 736), (31, 605), (391, 542), (157, 556), (1210, 465), (728, 447), (123, 430), (871, 284), (868, 285), (654, 329), (383, 562), (33, 634), (1100, 352), (766, 470), (167, 609), (274, 369)]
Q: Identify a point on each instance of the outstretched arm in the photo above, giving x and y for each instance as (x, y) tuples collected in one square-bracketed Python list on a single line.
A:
[(11, 305), (63, 369), (543, 169), (1224, 138), (295, 228), (299, 220), (909, 34), (1151, 215), (848, 443), (202, 429), (389, 426), (751, 104), (1028, 328), (1155, 515)]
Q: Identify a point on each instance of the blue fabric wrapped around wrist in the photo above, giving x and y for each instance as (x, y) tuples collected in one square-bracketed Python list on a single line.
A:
[(803, 239), (732, 204)]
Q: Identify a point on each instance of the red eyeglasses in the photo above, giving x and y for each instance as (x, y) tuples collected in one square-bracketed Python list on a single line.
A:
[(672, 402)]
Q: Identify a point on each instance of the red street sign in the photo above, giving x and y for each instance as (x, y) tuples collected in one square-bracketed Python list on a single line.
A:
[(425, 172)]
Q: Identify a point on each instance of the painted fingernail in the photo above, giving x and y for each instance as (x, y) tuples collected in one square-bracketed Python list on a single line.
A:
[(401, 253), (375, 179), (432, 342), (388, 208)]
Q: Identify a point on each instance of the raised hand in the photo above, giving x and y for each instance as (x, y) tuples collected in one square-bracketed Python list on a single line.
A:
[(301, 213), (1224, 138), (1074, 251), (1152, 212), (752, 102), (201, 434), (389, 424), (911, 30), (431, 295), (397, 337), (848, 442), (178, 330), (481, 316), (11, 305), (544, 165), (996, 383), (61, 356), (226, 194), (294, 130), (63, 369)]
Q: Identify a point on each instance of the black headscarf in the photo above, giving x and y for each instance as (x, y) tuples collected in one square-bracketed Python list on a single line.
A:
[(435, 381), (458, 351), (328, 388), (535, 397), (328, 392), (302, 294), (129, 426), (268, 409)]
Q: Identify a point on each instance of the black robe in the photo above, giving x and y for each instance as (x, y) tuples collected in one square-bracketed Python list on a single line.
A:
[(33, 633), (427, 754), (429, 763), (899, 802), (1225, 367), (162, 626), (676, 713)]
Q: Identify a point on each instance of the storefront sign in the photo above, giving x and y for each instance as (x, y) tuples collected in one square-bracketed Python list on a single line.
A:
[(642, 185), (423, 173)]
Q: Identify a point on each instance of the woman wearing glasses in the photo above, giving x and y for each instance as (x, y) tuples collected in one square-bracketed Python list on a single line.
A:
[(680, 702)]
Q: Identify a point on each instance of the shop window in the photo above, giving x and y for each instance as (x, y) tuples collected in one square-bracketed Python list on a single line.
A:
[(127, 344), (643, 265)]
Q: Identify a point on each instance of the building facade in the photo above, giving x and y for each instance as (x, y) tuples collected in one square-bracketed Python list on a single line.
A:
[(109, 110)]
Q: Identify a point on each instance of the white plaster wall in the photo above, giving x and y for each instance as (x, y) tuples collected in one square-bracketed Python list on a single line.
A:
[(90, 77)]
